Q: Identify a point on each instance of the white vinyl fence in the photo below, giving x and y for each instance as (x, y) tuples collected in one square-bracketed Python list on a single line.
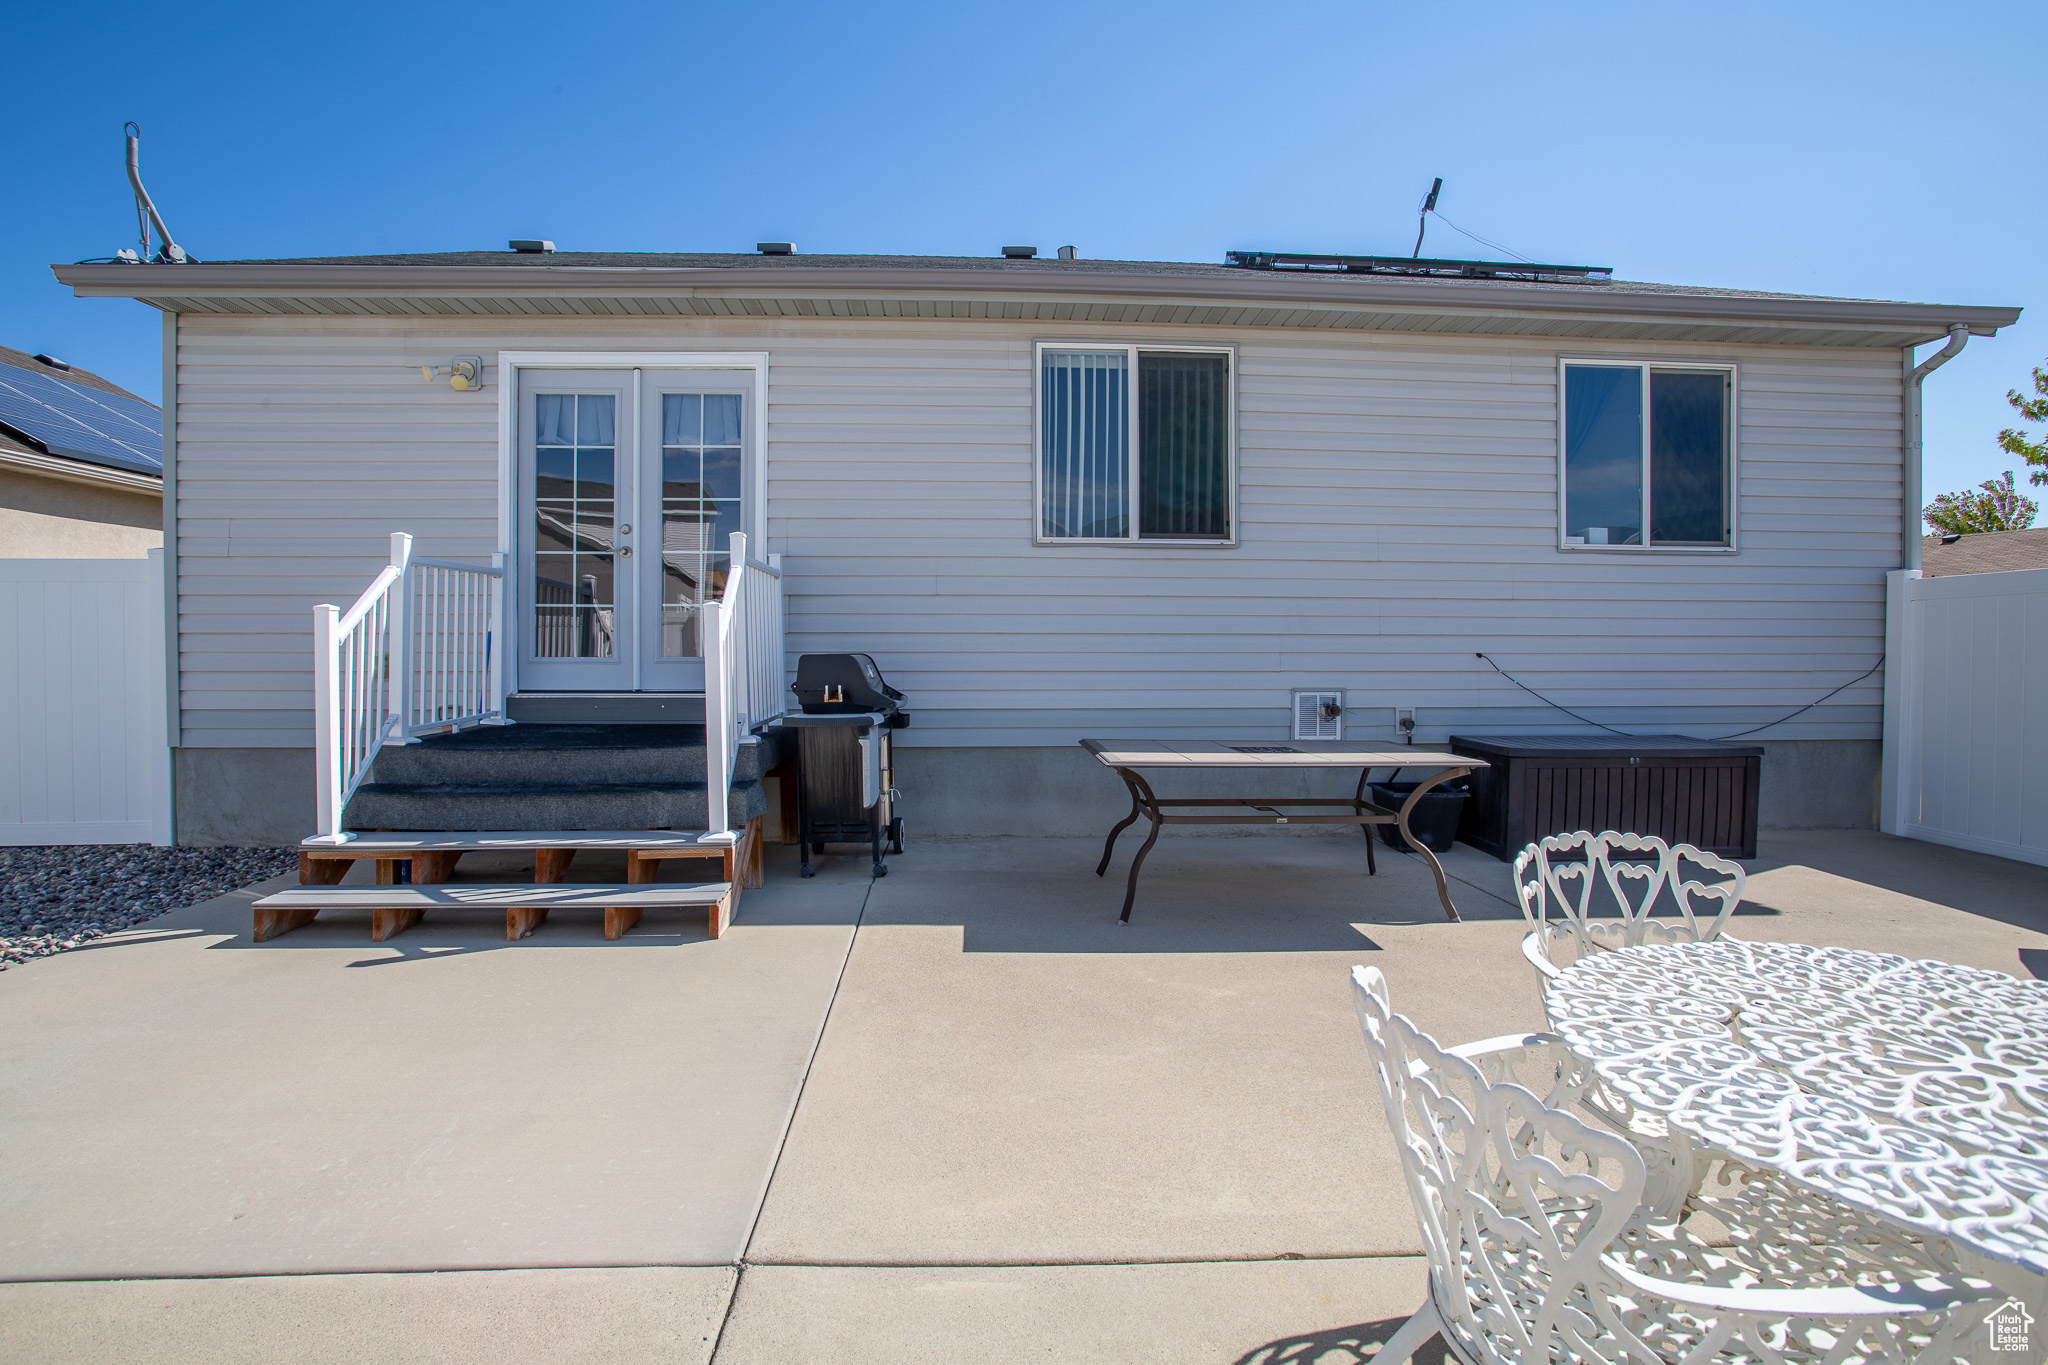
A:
[(1966, 711), (84, 757)]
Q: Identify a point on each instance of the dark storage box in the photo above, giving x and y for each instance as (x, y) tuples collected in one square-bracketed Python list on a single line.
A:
[(1682, 790)]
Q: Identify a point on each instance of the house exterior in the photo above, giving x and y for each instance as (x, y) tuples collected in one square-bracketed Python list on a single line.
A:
[(81, 476), (1055, 498)]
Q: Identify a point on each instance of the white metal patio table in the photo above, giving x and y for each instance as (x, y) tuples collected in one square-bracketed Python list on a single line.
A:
[(1916, 1091), (1125, 757)]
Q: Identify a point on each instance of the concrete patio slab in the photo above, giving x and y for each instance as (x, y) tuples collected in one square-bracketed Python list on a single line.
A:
[(1010, 1076), (1863, 889), (1194, 1085), (564, 1317), (192, 1103), (1242, 1313)]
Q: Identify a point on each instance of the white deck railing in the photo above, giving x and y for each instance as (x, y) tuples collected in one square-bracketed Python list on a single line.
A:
[(453, 664), (744, 672), (415, 653), (421, 650)]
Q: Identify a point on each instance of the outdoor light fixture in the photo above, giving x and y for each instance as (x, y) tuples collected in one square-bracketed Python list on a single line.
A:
[(465, 374)]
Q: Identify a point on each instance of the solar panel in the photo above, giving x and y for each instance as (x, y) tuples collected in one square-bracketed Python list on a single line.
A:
[(102, 428)]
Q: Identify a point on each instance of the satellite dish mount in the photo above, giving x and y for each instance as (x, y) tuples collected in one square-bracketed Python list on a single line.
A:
[(146, 216)]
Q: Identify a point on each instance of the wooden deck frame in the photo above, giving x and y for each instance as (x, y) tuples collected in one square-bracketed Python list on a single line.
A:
[(394, 909), (433, 856)]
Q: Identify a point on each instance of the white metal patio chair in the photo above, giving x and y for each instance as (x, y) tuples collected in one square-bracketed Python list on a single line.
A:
[(1558, 879), (1540, 1250)]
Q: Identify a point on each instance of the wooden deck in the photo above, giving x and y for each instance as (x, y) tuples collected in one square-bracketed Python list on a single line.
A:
[(394, 909)]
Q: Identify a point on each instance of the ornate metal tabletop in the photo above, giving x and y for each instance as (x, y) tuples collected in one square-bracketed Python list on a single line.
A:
[(1917, 1091)]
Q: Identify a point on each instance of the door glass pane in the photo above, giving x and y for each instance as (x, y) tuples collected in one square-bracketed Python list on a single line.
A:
[(1603, 454), (1084, 443), (575, 507), (1688, 458), (701, 461), (1183, 446)]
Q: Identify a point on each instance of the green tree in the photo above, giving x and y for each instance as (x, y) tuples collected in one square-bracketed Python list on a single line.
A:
[(1996, 506), (2014, 441)]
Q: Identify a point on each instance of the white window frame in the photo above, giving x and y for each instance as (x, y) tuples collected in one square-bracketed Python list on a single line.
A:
[(1131, 350), (1733, 454)]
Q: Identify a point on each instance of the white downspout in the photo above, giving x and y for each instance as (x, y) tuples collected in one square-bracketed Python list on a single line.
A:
[(1958, 337)]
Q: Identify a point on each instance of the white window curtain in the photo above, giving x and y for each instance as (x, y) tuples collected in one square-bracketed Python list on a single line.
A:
[(1085, 408)]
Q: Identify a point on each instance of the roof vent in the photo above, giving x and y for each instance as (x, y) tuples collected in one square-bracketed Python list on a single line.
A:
[(1066, 253), (1319, 715), (776, 248), (51, 361), (1020, 253), (1947, 537), (531, 246)]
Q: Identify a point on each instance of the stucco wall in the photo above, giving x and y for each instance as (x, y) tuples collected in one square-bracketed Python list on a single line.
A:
[(45, 518)]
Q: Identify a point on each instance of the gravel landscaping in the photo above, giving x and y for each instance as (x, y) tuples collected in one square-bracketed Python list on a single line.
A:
[(57, 898)]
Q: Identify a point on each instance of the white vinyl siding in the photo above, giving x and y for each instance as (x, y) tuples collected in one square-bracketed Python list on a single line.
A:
[(1397, 511)]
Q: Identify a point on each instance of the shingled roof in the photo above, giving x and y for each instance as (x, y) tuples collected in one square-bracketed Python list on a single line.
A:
[(1984, 552), (1048, 289)]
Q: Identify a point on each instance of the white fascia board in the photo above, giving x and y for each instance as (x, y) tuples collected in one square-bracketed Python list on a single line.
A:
[(78, 471)]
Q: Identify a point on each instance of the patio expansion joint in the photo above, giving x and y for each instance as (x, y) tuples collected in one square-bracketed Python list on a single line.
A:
[(789, 1124), (1286, 1258)]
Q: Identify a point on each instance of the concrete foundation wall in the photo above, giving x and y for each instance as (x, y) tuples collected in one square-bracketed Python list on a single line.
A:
[(253, 797), (44, 518), (1806, 784), (265, 796)]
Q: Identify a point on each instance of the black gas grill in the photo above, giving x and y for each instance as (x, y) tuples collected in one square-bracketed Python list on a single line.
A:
[(844, 773)]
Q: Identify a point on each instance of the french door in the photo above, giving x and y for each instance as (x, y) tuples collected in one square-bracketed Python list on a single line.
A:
[(631, 483)]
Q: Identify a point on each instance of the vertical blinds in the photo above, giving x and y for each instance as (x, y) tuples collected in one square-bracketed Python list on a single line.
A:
[(1086, 444), (1183, 446)]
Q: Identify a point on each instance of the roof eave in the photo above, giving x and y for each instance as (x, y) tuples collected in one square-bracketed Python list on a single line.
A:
[(81, 471), (1450, 298)]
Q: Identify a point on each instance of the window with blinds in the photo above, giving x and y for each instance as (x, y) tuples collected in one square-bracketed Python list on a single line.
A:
[(1135, 444)]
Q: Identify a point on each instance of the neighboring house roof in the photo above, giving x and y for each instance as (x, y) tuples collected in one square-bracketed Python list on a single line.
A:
[(1039, 289), (59, 419), (1984, 552)]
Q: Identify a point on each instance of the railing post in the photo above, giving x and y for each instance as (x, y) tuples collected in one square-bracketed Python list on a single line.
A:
[(739, 655), (495, 636), (717, 721), (327, 777), (778, 685), (399, 652)]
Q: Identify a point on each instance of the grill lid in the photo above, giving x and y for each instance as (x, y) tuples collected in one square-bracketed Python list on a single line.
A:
[(843, 684)]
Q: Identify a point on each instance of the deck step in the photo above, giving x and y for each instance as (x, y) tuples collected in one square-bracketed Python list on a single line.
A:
[(547, 776), (513, 841), (607, 708), (394, 909), (486, 806)]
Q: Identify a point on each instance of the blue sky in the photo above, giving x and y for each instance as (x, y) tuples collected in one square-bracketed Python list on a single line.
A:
[(1869, 150)]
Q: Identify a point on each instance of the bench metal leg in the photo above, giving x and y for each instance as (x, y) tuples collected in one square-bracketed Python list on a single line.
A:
[(1109, 844), (1358, 804), (1142, 793), (1443, 887)]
